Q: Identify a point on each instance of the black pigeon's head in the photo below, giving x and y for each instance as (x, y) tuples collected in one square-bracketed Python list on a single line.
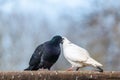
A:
[(56, 40)]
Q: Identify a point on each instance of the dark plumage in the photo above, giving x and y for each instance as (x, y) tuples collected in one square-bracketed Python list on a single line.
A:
[(46, 54)]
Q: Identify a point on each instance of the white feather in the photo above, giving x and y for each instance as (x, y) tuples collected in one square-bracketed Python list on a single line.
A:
[(77, 56)]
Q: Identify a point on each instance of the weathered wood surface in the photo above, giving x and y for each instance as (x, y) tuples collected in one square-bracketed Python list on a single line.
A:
[(59, 75)]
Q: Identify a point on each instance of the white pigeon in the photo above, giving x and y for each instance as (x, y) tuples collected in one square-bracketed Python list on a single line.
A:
[(78, 57)]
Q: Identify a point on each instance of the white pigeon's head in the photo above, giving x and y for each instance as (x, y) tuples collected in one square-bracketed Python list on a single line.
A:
[(65, 40)]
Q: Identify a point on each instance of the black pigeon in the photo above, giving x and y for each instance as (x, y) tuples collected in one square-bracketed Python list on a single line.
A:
[(46, 54)]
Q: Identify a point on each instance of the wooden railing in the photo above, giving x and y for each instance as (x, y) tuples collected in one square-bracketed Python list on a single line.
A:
[(59, 75)]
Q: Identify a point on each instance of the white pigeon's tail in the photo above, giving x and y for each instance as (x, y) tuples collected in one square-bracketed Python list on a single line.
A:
[(93, 62)]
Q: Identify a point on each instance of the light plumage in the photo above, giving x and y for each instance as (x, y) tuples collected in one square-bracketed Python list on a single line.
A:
[(77, 56)]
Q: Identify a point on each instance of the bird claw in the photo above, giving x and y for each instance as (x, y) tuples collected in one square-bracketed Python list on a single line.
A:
[(41, 70), (96, 70), (70, 69)]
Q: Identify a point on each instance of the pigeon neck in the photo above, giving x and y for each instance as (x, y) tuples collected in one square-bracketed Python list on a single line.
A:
[(67, 41), (55, 43)]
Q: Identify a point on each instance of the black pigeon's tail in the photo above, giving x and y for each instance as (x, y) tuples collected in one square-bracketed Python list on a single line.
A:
[(100, 69), (28, 69), (31, 68)]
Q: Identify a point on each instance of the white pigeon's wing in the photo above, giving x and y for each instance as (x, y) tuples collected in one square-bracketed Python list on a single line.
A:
[(75, 53), (93, 62), (85, 52), (78, 54)]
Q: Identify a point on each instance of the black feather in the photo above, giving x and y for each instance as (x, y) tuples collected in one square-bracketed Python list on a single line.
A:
[(46, 54)]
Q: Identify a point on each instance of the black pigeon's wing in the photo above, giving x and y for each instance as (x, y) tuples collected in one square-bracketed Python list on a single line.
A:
[(50, 56), (36, 57)]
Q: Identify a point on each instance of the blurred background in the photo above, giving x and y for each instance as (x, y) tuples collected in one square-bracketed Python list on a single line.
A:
[(91, 24)]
